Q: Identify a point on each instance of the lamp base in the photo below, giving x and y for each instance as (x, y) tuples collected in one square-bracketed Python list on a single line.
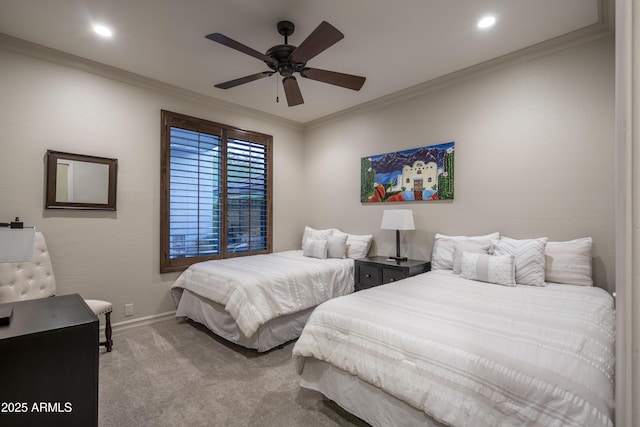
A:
[(398, 259)]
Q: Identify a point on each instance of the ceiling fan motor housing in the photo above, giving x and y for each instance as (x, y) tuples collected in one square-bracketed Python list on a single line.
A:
[(282, 55)]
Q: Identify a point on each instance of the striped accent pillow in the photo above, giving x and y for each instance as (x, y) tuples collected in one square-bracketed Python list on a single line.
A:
[(569, 262), (444, 245), (498, 269), (529, 255), (478, 247)]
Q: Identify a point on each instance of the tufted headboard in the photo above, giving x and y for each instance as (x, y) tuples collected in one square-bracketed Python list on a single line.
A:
[(28, 280)]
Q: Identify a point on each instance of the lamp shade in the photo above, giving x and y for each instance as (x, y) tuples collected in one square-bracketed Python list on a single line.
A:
[(17, 244), (397, 219)]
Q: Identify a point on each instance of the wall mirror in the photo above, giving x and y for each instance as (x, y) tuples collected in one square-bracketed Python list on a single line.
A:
[(76, 181)]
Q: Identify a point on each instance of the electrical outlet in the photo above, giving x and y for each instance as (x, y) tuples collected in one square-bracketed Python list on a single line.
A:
[(128, 309)]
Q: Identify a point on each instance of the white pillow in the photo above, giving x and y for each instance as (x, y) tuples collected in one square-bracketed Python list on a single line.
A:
[(495, 235), (443, 247), (315, 248), (473, 246), (312, 233), (569, 262), (358, 246), (529, 254), (337, 245), (498, 269)]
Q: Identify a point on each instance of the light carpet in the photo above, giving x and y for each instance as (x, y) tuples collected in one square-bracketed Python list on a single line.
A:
[(176, 373)]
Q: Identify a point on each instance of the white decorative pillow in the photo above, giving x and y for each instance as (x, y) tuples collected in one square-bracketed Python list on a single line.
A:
[(529, 254), (473, 246), (569, 262), (315, 248), (358, 246), (498, 269), (443, 247), (337, 245), (495, 235), (312, 233)]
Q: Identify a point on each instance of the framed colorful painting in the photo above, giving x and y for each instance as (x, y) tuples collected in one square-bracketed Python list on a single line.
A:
[(424, 173)]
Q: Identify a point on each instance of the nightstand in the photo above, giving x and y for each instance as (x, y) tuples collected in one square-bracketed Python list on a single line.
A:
[(378, 270)]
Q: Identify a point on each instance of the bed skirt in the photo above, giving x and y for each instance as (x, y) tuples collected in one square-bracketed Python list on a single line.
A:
[(360, 398), (213, 315)]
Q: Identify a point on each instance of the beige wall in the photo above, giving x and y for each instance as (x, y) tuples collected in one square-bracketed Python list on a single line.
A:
[(534, 156), (111, 255)]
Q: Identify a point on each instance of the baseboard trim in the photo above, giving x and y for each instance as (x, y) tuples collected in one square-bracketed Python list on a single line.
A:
[(140, 321)]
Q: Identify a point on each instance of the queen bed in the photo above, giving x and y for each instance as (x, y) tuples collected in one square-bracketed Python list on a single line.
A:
[(456, 348), (263, 301)]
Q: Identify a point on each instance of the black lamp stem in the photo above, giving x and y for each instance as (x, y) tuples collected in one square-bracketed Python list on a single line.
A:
[(398, 258)]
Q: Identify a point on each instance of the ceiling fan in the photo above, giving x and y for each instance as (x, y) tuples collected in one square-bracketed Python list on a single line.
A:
[(286, 60)]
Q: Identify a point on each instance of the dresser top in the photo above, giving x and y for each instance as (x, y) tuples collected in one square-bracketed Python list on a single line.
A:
[(45, 314)]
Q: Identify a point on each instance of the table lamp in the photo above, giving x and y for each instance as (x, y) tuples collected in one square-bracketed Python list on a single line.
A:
[(16, 245), (16, 242), (398, 219)]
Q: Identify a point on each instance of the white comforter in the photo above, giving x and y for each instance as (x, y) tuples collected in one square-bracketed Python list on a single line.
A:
[(469, 353), (258, 288)]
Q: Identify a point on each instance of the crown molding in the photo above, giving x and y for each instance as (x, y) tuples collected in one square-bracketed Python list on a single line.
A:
[(44, 53), (603, 28)]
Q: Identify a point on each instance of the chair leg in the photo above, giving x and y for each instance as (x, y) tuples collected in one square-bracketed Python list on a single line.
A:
[(108, 343)]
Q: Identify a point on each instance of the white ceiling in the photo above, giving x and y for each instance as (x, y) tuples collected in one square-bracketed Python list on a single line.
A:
[(395, 44)]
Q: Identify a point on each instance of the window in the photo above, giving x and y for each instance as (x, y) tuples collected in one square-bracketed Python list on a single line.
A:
[(215, 192)]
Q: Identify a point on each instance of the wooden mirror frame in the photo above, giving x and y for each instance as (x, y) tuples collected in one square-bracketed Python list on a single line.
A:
[(52, 171)]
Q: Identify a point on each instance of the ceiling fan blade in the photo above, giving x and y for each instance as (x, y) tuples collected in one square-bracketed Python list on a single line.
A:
[(324, 36), (292, 91), (243, 80), (222, 39), (339, 79)]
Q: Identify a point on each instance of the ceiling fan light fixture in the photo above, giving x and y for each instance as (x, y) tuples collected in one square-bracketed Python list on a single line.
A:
[(486, 22)]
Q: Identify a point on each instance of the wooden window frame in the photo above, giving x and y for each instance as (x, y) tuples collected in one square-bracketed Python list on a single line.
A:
[(170, 119)]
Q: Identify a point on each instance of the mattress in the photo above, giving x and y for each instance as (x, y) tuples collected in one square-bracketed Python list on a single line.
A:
[(468, 353)]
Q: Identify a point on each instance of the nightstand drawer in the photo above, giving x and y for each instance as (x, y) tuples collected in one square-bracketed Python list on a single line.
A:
[(379, 270), (391, 275), (369, 276)]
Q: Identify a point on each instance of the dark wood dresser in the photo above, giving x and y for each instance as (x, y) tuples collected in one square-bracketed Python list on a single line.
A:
[(49, 363)]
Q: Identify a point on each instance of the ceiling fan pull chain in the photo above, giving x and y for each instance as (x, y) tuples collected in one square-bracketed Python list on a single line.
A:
[(277, 92)]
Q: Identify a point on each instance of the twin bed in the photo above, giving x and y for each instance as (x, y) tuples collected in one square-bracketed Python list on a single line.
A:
[(263, 301), (500, 332)]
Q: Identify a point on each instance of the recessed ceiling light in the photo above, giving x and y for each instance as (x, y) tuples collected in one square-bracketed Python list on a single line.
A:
[(102, 30), (486, 22)]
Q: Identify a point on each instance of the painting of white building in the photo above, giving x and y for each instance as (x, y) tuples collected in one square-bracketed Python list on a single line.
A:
[(424, 173)]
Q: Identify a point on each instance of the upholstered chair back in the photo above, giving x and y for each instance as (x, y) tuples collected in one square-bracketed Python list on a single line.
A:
[(28, 280)]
